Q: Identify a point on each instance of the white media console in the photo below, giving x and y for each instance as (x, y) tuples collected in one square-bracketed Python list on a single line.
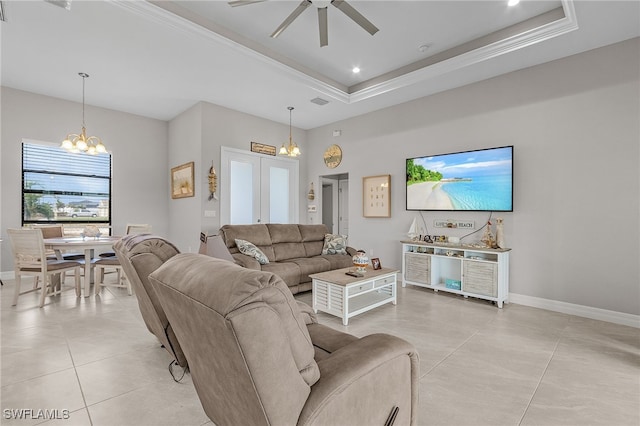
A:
[(462, 269)]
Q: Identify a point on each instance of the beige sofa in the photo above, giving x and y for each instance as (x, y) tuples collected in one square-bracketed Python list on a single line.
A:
[(294, 251), (257, 358)]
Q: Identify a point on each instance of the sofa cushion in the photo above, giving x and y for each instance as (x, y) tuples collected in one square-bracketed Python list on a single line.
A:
[(288, 271), (312, 232), (251, 250), (335, 244), (286, 240), (338, 261), (284, 233), (313, 248), (310, 265), (313, 238), (286, 251)]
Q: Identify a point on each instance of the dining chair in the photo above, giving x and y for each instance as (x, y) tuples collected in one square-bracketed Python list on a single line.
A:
[(110, 263), (30, 259), (109, 260), (131, 229), (57, 231), (134, 229)]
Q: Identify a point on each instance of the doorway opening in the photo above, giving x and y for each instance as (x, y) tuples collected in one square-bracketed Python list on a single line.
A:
[(334, 198)]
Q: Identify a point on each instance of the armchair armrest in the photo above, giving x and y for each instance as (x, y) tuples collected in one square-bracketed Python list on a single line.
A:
[(379, 369), (309, 316), (351, 251), (246, 261)]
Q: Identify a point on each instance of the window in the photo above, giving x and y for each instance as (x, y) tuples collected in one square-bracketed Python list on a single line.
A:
[(63, 187)]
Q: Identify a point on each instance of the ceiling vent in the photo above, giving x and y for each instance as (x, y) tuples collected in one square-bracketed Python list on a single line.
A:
[(319, 101), (65, 4)]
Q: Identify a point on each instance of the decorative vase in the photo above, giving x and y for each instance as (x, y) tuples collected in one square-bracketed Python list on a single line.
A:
[(500, 233), (360, 261), (91, 231)]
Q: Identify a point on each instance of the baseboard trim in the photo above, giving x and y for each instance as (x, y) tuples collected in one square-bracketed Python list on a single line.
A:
[(578, 310)]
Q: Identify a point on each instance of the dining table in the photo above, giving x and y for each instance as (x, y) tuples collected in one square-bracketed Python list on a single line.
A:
[(88, 245)]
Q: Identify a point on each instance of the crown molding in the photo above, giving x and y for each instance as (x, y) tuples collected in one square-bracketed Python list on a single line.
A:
[(170, 14)]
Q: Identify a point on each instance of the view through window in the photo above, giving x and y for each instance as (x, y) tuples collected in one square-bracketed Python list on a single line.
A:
[(63, 187)]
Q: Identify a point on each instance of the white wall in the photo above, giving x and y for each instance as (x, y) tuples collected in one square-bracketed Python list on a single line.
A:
[(139, 157), (185, 135), (575, 127), (197, 135)]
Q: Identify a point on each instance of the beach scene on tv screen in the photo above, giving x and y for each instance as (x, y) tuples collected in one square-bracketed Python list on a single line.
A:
[(474, 180)]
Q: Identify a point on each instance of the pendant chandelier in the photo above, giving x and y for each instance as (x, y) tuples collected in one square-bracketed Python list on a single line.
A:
[(82, 143), (292, 150)]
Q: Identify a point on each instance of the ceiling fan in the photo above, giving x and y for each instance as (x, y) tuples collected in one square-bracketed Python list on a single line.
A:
[(342, 5)]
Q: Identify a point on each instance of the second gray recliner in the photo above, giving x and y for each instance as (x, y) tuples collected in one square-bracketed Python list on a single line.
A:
[(140, 255)]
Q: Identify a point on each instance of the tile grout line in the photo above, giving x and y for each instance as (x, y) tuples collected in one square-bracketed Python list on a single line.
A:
[(75, 370), (436, 365), (492, 320), (533, 394)]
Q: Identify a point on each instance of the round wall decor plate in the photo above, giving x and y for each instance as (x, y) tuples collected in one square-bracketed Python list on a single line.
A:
[(333, 156)]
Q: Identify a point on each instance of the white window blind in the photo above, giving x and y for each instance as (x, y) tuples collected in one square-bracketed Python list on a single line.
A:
[(59, 186)]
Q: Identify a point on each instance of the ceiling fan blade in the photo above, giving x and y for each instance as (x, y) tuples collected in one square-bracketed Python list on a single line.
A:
[(322, 24), (298, 10), (357, 17), (237, 3)]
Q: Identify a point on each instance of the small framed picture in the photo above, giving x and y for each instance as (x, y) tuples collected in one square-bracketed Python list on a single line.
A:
[(375, 262), (182, 181)]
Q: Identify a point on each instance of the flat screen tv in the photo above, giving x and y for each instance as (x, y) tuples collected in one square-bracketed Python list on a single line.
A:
[(480, 180)]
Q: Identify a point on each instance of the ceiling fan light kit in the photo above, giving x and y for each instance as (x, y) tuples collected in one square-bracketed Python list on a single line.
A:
[(323, 21)]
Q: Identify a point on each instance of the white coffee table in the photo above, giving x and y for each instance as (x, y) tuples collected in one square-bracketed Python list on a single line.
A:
[(345, 296)]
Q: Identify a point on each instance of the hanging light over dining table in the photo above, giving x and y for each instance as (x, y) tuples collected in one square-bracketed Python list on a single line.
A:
[(81, 142)]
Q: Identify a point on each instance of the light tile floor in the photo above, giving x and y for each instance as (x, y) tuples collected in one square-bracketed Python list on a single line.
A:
[(479, 365)]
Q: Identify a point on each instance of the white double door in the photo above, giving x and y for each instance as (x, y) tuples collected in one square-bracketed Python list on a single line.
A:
[(257, 188)]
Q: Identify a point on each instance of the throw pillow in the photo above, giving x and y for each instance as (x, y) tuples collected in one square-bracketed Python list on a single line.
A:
[(335, 244), (250, 249)]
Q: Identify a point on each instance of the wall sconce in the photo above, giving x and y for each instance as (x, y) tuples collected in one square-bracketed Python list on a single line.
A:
[(311, 195)]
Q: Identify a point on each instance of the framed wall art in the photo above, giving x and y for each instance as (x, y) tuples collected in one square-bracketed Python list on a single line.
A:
[(182, 181), (376, 196)]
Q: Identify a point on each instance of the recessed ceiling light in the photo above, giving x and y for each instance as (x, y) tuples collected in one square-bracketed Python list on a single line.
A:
[(355, 70), (512, 2)]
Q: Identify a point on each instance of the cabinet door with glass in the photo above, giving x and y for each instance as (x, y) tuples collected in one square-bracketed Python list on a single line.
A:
[(256, 188)]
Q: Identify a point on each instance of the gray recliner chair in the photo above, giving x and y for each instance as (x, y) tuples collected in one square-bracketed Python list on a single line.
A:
[(139, 255), (257, 359)]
